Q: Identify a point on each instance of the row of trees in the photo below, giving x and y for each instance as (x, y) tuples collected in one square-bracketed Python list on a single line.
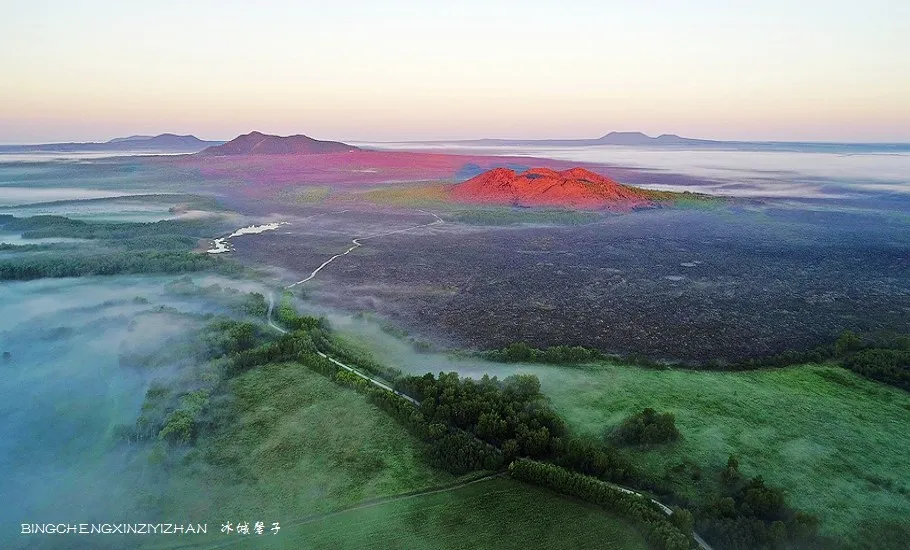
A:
[(659, 530), (556, 355), (886, 361), (889, 366), (116, 263), (43, 226), (128, 248)]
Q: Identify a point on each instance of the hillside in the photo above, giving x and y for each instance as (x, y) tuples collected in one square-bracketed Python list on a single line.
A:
[(171, 143), (163, 141), (544, 186), (257, 143)]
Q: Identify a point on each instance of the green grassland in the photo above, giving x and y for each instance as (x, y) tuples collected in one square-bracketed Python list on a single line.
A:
[(310, 194), (298, 447), (415, 195), (292, 443), (498, 514), (837, 443)]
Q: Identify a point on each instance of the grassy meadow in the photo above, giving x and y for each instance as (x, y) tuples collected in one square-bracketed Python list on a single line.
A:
[(510, 514), (411, 195), (300, 448), (296, 444), (837, 443)]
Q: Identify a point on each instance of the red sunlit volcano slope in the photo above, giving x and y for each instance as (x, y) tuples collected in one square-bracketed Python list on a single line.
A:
[(575, 187)]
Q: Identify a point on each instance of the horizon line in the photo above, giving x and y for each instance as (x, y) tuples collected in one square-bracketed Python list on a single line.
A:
[(474, 139)]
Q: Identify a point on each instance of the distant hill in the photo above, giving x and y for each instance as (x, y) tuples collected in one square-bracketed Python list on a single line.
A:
[(257, 143), (638, 138), (543, 186), (613, 138), (129, 138), (670, 141), (170, 143), (166, 141)]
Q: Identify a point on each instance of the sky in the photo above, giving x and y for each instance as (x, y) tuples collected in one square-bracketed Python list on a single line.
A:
[(832, 70)]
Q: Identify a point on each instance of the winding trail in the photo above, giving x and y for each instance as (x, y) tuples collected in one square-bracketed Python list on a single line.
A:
[(358, 242), (268, 315), (378, 383)]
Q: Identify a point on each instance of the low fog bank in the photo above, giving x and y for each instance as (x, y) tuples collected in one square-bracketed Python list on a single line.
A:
[(64, 393), (393, 346)]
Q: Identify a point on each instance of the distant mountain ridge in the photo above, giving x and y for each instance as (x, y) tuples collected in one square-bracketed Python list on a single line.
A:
[(257, 143), (612, 138), (130, 138), (171, 143), (670, 141), (638, 138)]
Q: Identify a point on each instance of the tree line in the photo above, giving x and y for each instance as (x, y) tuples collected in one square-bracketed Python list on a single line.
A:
[(659, 530), (128, 248), (117, 263), (44, 226), (882, 360)]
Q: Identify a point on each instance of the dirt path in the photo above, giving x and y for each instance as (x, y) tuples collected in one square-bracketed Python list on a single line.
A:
[(268, 315), (358, 242), (375, 382)]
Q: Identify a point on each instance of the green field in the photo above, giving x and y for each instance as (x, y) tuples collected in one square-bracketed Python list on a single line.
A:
[(426, 194), (338, 473), (297, 444), (838, 444), (498, 514)]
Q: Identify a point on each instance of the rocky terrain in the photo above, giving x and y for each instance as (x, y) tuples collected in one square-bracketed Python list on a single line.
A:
[(575, 187)]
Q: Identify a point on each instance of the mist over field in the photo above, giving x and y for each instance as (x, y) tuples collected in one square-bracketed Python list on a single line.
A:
[(65, 392)]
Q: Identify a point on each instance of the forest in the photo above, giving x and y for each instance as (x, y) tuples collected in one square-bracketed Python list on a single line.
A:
[(117, 248), (113, 263)]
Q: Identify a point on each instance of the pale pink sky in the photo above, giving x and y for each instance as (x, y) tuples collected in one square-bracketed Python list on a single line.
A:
[(402, 69)]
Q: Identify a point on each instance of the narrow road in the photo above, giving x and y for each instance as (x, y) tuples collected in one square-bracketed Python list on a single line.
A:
[(268, 315), (666, 509), (373, 381), (377, 383), (358, 242)]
